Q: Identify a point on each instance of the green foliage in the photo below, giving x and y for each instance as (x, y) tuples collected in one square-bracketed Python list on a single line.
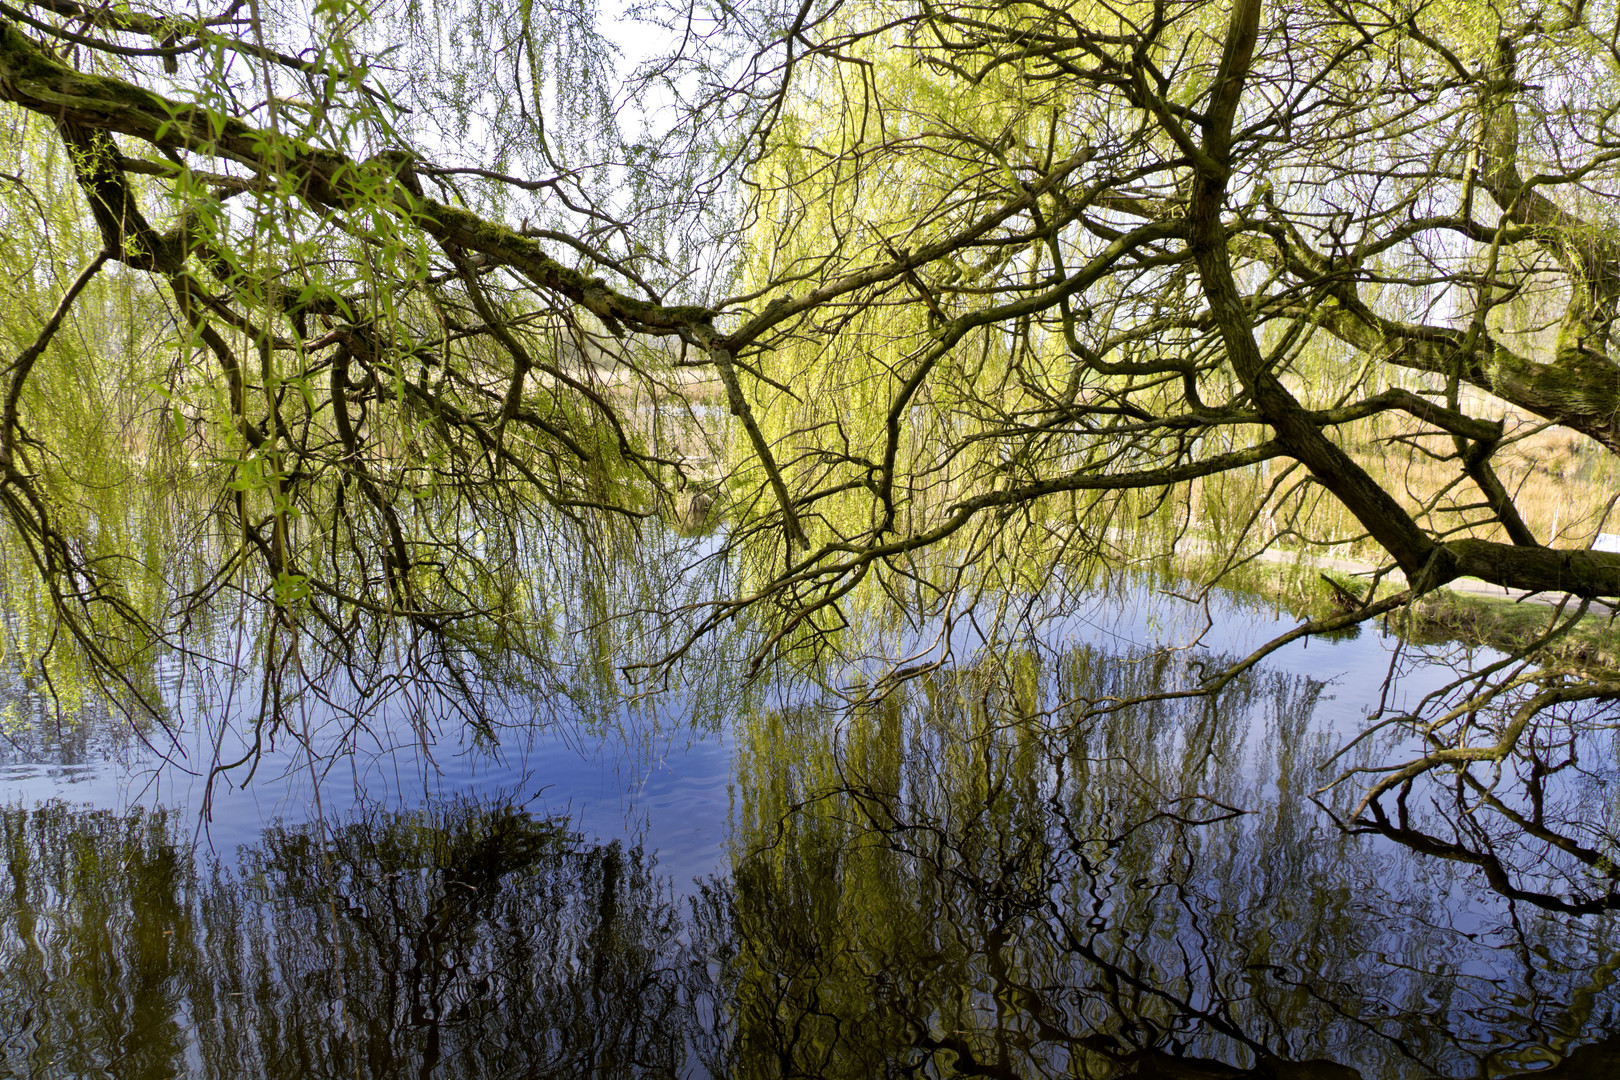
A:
[(1026, 299)]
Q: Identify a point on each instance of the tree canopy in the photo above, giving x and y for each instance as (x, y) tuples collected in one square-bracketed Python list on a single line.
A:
[(992, 295)]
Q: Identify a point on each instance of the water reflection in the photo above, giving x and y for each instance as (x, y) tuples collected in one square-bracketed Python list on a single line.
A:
[(471, 942), (987, 878), (975, 876)]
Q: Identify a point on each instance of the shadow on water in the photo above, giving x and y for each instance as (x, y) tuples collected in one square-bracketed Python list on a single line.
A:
[(975, 876)]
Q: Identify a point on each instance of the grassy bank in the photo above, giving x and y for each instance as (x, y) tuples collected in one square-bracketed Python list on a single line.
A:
[(1307, 591)]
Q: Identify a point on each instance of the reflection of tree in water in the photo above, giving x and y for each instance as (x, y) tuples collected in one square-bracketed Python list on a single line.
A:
[(99, 947), (976, 880), (979, 877), (470, 942)]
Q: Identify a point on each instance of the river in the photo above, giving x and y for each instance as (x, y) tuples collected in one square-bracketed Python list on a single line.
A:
[(977, 873)]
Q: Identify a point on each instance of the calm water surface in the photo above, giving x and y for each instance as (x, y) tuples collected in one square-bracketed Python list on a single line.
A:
[(970, 877)]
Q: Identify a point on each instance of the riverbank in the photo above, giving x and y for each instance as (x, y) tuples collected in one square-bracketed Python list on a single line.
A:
[(1468, 611)]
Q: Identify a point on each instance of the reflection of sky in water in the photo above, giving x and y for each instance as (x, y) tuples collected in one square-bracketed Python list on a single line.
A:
[(1244, 906), (670, 788), (645, 775)]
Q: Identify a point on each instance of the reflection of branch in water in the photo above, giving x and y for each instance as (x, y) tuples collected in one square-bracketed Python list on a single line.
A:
[(967, 880), (1502, 744), (1472, 845), (1513, 758)]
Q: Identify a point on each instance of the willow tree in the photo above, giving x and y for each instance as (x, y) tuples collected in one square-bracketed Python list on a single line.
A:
[(395, 399), (979, 284), (1277, 277)]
